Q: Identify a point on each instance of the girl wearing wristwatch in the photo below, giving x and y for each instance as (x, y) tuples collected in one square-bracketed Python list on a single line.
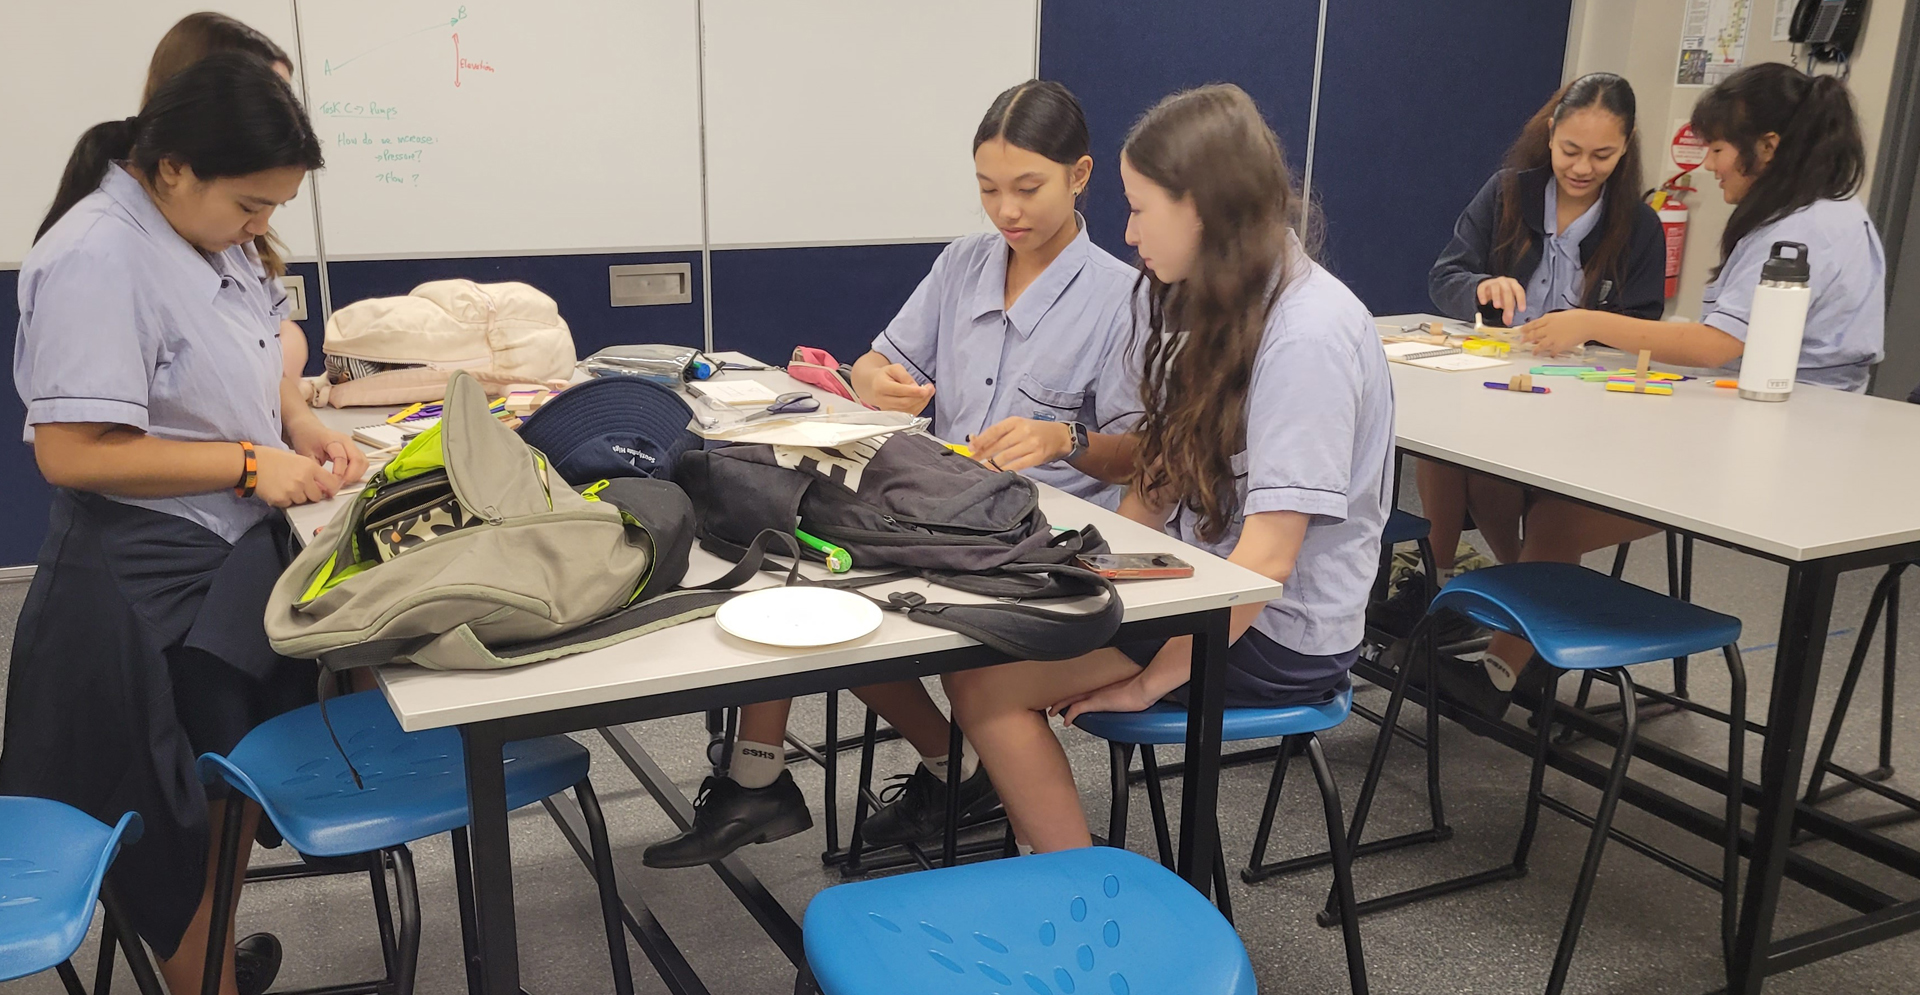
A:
[(151, 375), (1025, 330)]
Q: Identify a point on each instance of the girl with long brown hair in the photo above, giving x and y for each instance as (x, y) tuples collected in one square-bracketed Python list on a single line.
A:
[(1561, 226), (1266, 438)]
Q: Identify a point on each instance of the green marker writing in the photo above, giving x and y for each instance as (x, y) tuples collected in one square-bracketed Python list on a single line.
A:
[(838, 560)]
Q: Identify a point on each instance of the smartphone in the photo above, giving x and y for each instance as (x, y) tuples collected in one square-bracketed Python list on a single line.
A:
[(1136, 566)]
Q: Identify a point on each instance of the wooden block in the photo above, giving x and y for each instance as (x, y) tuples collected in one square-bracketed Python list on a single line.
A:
[(1522, 383), (1436, 328)]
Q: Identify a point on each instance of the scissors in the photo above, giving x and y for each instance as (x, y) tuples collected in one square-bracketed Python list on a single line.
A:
[(791, 403)]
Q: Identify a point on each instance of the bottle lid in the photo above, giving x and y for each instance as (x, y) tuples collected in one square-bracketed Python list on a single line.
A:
[(1787, 269)]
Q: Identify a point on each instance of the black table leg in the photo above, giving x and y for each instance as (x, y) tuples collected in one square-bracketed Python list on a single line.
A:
[(1200, 790), (1796, 678), (492, 859)]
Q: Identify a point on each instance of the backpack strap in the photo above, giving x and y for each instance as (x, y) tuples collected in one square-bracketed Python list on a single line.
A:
[(460, 649), (1022, 631)]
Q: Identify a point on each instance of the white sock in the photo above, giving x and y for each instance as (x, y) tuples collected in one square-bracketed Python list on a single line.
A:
[(1499, 671), (756, 765), (969, 762)]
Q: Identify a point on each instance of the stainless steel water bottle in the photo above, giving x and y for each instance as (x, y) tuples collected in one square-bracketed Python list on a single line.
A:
[(1778, 322)]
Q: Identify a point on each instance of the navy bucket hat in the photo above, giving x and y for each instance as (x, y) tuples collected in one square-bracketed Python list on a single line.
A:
[(608, 427)]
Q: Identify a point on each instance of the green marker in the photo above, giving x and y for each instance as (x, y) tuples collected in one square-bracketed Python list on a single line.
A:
[(838, 560)]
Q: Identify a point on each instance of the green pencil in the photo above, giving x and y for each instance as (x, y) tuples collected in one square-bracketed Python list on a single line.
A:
[(838, 560)]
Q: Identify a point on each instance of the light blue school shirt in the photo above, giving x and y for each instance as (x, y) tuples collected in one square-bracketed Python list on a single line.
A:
[(1847, 315), (1319, 442), (1558, 283), (123, 321), (1063, 352)]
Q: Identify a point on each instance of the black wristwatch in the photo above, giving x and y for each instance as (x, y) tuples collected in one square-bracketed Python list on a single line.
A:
[(1079, 434)]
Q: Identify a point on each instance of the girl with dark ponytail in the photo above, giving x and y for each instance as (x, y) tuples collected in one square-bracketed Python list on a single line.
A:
[(1561, 226), (192, 38), (156, 407), (1025, 331), (1786, 149)]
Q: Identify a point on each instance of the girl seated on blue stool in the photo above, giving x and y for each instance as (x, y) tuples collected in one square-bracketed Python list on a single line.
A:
[(1266, 441), (1025, 329), (1787, 151)]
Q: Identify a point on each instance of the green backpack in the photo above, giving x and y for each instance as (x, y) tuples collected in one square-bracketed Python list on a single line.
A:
[(466, 553)]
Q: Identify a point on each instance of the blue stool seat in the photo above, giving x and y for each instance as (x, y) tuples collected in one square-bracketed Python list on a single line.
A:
[(1404, 526), (52, 859), (415, 783), (1098, 921), (1578, 619), (1166, 722)]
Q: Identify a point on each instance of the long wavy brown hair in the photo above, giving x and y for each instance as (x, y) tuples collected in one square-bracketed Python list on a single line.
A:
[(1533, 150), (194, 37), (1212, 145)]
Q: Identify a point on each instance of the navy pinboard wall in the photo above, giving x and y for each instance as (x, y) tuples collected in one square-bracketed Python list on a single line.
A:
[(1418, 102)]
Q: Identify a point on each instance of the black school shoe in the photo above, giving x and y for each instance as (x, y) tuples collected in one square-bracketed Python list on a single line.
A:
[(1463, 682), (256, 962), (727, 817), (916, 807)]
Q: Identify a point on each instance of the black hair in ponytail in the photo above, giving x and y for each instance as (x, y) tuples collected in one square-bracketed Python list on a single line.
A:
[(1533, 150), (227, 115), (1040, 116), (1820, 156)]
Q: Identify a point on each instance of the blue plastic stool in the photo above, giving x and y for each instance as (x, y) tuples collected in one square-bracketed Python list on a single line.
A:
[(412, 786), (1097, 920), (1405, 527), (1298, 728), (1577, 619), (53, 867)]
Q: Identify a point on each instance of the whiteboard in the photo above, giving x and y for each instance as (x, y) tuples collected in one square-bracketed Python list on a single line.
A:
[(505, 127), (847, 121), (69, 65)]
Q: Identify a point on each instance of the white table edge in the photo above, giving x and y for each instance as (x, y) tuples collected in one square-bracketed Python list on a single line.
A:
[(933, 641)]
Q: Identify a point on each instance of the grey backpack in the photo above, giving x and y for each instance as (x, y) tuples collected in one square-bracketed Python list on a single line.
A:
[(466, 553)]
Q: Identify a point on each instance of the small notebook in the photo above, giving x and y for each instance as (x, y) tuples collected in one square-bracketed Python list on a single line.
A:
[(739, 393), (381, 435), (1407, 352)]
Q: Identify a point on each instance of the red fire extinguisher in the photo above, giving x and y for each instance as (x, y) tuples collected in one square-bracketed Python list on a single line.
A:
[(1669, 202), (1672, 209)]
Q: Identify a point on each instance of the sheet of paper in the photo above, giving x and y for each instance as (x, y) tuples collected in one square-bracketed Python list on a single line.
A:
[(739, 393), (1457, 363)]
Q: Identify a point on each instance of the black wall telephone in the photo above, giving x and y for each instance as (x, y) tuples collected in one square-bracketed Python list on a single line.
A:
[(1827, 27)]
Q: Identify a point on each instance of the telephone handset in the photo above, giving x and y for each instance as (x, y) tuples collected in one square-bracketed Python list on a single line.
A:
[(1827, 27)]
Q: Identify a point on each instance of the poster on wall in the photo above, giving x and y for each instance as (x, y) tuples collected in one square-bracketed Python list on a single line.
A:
[(1713, 40), (1782, 19)]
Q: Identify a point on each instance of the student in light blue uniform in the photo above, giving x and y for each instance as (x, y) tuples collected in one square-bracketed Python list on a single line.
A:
[(1266, 438), (1787, 151), (1560, 227), (156, 406), (1024, 331)]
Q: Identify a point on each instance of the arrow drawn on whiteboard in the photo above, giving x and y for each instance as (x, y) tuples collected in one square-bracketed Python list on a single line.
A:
[(459, 15)]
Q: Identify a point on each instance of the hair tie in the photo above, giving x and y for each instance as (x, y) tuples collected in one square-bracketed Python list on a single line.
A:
[(133, 122)]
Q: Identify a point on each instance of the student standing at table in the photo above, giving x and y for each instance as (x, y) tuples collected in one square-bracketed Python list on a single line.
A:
[(1561, 226), (1787, 151), (193, 38), (1266, 439), (157, 408), (1026, 332)]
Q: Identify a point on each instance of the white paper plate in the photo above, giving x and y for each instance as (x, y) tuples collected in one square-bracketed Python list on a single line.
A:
[(799, 616)]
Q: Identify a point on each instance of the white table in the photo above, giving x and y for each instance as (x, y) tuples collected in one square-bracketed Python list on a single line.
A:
[(1822, 482), (695, 666)]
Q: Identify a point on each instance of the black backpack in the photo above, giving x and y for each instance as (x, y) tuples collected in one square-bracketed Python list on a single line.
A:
[(907, 502)]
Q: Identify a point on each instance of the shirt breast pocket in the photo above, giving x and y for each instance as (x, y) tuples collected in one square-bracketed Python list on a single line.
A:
[(1046, 403)]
